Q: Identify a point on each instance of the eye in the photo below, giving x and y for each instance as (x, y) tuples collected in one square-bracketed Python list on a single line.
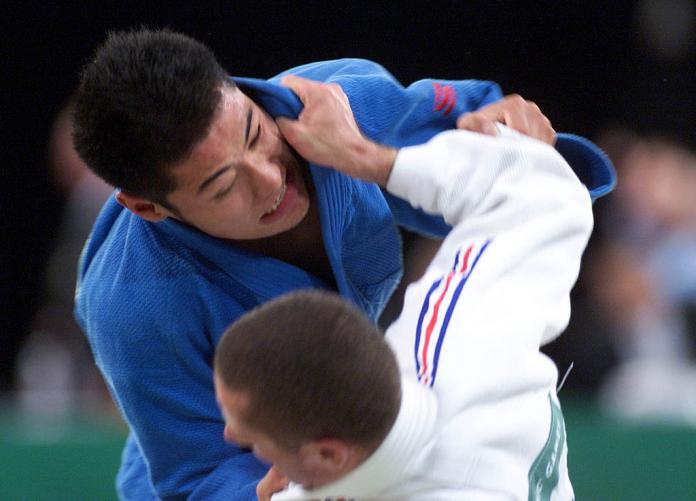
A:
[(221, 194), (253, 142)]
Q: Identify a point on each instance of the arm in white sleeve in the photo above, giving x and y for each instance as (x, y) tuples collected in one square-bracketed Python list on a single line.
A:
[(460, 173), (498, 288), (520, 199)]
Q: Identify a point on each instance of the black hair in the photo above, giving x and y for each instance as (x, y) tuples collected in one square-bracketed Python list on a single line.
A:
[(143, 103)]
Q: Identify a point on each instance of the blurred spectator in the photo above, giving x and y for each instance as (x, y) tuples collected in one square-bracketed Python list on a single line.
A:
[(641, 278), (666, 27), (55, 371)]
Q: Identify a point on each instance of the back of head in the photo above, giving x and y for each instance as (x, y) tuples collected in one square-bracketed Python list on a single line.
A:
[(313, 367), (144, 101)]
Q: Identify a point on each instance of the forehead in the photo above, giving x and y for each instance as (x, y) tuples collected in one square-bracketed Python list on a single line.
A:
[(234, 105), (225, 140), (228, 126)]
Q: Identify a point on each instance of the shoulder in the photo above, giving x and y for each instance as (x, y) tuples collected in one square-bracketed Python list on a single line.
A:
[(332, 69), (133, 253), (143, 288)]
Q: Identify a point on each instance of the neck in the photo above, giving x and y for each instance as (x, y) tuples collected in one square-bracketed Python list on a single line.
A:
[(407, 443), (301, 246)]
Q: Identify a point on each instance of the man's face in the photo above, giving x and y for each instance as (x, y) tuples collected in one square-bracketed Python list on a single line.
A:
[(243, 181), (234, 405)]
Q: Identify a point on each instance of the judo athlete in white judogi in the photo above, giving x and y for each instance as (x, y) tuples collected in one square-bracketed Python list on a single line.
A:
[(477, 416)]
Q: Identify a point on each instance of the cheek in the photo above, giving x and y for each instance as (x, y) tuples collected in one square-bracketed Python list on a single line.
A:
[(232, 211), (275, 142), (269, 453)]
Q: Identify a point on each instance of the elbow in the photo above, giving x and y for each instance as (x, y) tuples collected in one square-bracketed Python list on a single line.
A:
[(575, 200), (567, 196), (588, 215)]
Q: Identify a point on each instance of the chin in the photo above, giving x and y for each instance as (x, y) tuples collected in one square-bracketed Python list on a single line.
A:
[(292, 223)]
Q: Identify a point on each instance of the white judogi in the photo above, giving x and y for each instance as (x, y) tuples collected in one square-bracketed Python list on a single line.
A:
[(479, 418)]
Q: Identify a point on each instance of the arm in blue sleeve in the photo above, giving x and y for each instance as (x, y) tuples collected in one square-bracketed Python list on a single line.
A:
[(414, 115), (157, 361), (392, 114), (235, 479)]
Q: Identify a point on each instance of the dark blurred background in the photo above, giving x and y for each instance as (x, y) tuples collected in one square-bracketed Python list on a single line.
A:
[(621, 73)]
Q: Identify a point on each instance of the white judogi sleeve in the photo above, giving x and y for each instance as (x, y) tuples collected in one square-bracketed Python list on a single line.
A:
[(499, 288), (471, 327), (511, 189)]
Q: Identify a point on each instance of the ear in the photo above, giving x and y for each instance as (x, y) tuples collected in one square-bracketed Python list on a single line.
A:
[(142, 207), (328, 458)]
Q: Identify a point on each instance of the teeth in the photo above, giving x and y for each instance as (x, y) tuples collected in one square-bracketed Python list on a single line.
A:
[(278, 200)]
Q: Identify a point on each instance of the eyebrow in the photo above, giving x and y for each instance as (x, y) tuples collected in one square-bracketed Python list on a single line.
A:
[(213, 177), (224, 169)]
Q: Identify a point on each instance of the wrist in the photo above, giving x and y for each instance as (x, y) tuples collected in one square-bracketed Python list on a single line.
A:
[(386, 159), (376, 162)]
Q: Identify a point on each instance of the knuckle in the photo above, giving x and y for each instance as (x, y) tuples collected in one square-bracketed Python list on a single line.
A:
[(463, 119), (471, 120)]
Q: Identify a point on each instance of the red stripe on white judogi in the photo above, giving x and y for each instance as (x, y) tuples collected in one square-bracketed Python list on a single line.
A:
[(433, 319)]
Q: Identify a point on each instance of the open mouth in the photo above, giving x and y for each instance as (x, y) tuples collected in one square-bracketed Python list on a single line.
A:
[(289, 200), (278, 200)]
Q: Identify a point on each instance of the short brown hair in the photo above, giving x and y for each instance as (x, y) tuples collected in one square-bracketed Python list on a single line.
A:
[(313, 367)]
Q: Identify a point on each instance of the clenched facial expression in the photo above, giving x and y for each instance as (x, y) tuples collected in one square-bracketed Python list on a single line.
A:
[(242, 181)]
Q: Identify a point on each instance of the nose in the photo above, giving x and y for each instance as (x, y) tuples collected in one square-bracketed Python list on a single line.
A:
[(265, 178)]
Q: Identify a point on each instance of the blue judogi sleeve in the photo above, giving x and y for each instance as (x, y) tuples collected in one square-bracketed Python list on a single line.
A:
[(389, 113), (153, 313)]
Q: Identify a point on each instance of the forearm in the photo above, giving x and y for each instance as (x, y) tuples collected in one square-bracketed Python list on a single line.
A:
[(522, 198), (458, 174)]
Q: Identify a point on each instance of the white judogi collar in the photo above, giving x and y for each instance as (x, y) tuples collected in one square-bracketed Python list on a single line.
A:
[(404, 444)]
